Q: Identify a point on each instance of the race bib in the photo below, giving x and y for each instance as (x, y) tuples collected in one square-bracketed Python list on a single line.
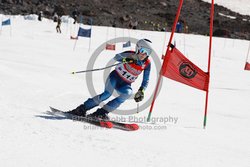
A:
[(125, 74)]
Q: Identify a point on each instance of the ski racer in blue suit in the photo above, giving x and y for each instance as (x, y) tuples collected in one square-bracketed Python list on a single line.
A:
[(120, 79)]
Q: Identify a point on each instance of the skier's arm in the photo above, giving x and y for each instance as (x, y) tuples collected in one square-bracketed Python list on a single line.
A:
[(140, 93), (124, 57), (118, 57), (146, 74)]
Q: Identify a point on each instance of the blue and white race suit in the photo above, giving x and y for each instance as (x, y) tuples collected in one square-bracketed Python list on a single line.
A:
[(120, 80)]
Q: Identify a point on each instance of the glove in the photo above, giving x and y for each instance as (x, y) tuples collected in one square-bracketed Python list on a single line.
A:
[(139, 95), (128, 60)]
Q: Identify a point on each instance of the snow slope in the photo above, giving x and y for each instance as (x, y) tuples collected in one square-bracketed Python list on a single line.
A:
[(35, 67), (240, 6)]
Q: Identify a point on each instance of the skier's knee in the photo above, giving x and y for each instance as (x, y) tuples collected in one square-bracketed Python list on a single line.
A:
[(126, 93), (105, 95), (125, 96)]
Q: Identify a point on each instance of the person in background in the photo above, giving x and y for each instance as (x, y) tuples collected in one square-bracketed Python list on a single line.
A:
[(179, 27), (74, 14), (58, 26), (40, 15), (55, 17)]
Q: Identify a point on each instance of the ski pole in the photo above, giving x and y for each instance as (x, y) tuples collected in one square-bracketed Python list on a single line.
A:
[(97, 69), (138, 107)]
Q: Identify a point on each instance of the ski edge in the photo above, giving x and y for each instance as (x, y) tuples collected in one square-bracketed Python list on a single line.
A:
[(125, 126), (101, 123)]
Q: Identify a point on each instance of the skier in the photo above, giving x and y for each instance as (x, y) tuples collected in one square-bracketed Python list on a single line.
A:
[(55, 17), (58, 26), (40, 15), (120, 79), (179, 27), (74, 14)]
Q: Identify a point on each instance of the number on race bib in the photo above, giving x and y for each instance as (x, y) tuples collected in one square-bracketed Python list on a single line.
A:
[(126, 75)]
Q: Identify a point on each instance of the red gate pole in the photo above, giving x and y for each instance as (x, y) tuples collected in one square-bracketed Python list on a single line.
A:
[(209, 59), (160, 76)]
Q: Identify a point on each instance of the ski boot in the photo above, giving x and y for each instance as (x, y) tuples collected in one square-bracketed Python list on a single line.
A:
[(100, 114), (79, 111)]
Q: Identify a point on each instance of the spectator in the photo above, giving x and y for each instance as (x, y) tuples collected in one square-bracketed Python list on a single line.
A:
[(179, 27), (58, 26), (133, 24), (74, 14), (55, 17), (40, 16), (186, 29)]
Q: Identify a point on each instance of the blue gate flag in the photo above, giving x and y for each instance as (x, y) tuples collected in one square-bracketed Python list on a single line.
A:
[(6, 22), (127, 44), (84, 32)]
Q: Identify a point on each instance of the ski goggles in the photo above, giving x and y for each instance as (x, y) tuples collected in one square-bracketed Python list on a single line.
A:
[(146, 51)]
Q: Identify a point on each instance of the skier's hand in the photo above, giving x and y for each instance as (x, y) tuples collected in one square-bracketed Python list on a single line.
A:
[(128, 60), (139, 95)]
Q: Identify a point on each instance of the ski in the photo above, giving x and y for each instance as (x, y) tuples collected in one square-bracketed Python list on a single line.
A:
[(125, 126), (97, 122)]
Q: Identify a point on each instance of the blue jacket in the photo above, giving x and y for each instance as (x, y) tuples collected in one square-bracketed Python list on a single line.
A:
[(146, 72)]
